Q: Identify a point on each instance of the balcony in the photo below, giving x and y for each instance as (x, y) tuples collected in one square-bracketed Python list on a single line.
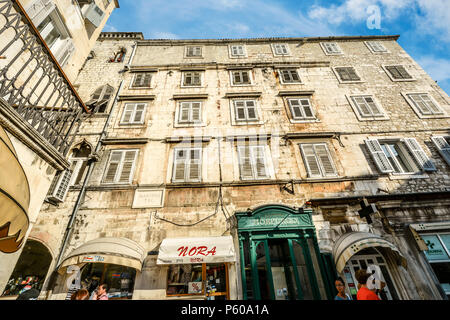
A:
[(38, 103)]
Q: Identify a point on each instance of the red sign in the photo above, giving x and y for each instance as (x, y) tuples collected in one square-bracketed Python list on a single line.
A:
[(196, 251)]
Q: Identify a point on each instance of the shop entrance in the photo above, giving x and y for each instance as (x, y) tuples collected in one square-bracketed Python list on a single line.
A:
[(31, 268), (280, 258)]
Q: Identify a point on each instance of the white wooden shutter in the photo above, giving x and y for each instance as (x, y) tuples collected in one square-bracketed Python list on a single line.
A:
[(443, 147), (184, 112), (324, 157), (195, 164), (245, 163), (40, 10), (259, 160), (113, 166), (310, 159), (128, 113), (60, 187), (379, 156), (179, 167), (196, 111), (127, 166), (372, 106), (139, 113), (419, 155)]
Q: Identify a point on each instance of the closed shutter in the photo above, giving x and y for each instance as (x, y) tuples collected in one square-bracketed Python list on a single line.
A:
[(419, 155), (403, 73), (196, 79), (179, 165), (259, 161), (147, 80), (196, 111), (113, 166), (309, 157), (138, 80), (443, 147), (378, 156), (195, 165), (139, 113), (420, 104), (127, 166), (245, 163), (245, 77), (324, 157), (184, 111), (128, 113), (434, 109), (372, 106)]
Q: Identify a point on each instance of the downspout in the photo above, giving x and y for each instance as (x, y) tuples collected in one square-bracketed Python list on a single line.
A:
[(127, 66), (69, 229)]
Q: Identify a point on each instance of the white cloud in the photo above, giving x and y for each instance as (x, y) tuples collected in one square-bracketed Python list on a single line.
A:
[(437, 68), (164, 35), (109, 28), (436, 18)]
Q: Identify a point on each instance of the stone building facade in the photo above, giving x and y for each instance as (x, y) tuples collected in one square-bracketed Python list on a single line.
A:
[(237, 169)]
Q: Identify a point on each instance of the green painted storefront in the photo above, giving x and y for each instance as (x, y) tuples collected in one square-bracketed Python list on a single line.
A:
[(280, 257)]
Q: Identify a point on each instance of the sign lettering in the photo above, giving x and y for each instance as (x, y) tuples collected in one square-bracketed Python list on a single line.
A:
[(196, 251)]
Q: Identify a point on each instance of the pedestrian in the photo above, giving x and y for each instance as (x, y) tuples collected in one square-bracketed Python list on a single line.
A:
[(364, 293), (340, 287), (81, 294), (101, 293)]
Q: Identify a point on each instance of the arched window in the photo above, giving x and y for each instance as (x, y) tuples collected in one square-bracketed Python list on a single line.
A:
[(79, 160), (100, 98)]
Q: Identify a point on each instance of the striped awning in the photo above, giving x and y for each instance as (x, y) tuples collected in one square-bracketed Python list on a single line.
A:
[(14, 197), (351, 243), (120, 251)]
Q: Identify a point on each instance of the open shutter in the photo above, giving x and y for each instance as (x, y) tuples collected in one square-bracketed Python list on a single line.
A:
[(309, 157), (128, 113), (378, 156), (245, 163), (443, 147), (323, 155), (40, 10), (195, 165), (139, 114), (419, 155), (179, 165), (127, 166), (113, 166)]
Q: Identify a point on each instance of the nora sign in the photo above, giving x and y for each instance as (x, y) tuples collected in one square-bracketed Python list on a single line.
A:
[(196, 250)]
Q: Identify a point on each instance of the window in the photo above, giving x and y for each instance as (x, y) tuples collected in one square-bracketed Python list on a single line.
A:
[(241, 77), (376, 46), (237, 51), (100, 98), (245, 110), (193, 52), (142, 80), (120, 167), (331, 48), (252, 162), (318, 160), (366, 107), (190, 112), (443, 145), (289, 76), (438, 255), (133, 113), (347, 74), (192, 79), (301, 109), (423, 104), (280, 49), (187, 165), (398, 73), (403, 156), (79, 160)]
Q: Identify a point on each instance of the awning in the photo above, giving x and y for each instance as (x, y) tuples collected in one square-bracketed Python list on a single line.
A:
[(196, 250), (14, 197), (121, 251), (351, 243)]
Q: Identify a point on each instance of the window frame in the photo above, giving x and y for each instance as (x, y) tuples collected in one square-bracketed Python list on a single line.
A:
[(276, 54), (253, 162), (385, 68), (233, 56), (281, 77), (183, 78), (412, 103), (187, 165), (358, 112), (250, 77), (338, 76), (133, 113), (186, 52), (245, 101), (189, 122), (324, 48), (304, 119), (372, 50), (120, 167), (443, 150), (132, 84)]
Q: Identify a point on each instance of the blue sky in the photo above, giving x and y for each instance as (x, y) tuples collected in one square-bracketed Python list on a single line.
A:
[(423, 25)]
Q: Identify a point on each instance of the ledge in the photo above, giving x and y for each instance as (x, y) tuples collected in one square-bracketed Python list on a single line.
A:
[(242, 94), (136, 97), (310, 135), (115, 141), (22, 130), (187, 139), (190, 96), (295, 93)]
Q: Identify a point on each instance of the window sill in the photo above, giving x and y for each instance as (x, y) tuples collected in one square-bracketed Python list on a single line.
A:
[(247, 123), (189, 125), (304, 121)]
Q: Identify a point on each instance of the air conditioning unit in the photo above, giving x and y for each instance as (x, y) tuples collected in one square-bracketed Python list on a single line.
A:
[(60, 186), (94, 14)]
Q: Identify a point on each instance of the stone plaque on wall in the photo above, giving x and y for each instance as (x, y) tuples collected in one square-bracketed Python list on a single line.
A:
[(148, 198)]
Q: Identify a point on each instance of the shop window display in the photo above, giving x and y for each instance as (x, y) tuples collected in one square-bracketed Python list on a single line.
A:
[(120, 279)]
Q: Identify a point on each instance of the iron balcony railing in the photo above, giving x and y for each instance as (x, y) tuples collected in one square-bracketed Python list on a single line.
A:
[(32, 81)]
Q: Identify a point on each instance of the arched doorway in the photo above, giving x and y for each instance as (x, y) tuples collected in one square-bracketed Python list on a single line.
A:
[(31, 268), (280, 257)]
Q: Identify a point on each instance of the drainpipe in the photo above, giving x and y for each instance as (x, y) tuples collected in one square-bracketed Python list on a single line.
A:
[(69, 229), (127, 66)]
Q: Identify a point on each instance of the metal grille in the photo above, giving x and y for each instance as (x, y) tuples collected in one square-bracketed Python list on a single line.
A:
[(32, 82)]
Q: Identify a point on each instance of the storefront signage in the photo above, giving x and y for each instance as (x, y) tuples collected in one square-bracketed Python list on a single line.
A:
[(435, 249), (275, 221), (93, 259)]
